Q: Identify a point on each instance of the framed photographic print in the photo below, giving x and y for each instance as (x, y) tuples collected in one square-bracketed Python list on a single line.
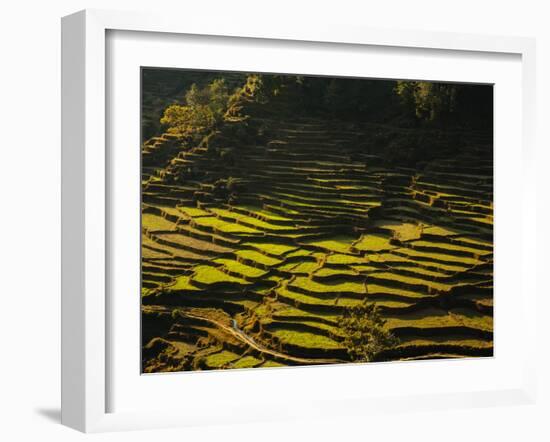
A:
[(304, 220)]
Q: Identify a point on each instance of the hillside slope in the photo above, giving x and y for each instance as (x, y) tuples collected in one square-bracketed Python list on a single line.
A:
[(259, 276)]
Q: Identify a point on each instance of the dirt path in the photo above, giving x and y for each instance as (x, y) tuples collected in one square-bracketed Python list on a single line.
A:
[(243, 337)]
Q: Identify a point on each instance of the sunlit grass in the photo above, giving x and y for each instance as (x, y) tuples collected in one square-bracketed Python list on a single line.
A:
[(391, 260), (258, 257), (440, 231), (240, 268), (299, 252), (156, 222), (257, 223), (272, 364), (450, 246), (433, 317), (421, 271), (266, 214), (446, 340), (246, 362), (305, 339), (339, 258), (313, 286), (477, 242), (339, 244), (183, 283), (327, 271), (304, 267), (472, 318), (194, 212), (285, 310), (373, 243), (364, 269), (220, 359), (307, 299), (451, 259), (402, 231), (412, 280), (373, 289), (172, 211), (223, 225), (205, 274), (271, 248)]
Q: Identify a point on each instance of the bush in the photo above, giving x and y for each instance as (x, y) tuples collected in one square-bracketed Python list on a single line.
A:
[(429, 101), (202, 112), (365, 333), (187, 121)]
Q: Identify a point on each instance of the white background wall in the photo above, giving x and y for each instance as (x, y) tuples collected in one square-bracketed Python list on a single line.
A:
[(30, 215)]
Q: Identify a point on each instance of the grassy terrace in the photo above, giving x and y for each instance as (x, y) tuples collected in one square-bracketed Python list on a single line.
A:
[(305, 339), (208, 275), (373, 243), (438, 257), (239, 268), (315, 232), (250, 221), (272, 249), (216, 224), (438, 318), (307, 285), (311, 302), (156, 223), (221, 359), (376, 291), (257, 258), (339, 244), (300, 267)]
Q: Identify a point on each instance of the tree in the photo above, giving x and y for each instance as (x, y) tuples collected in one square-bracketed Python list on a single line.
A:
[(365, 335), (428, 101), (186, 121), (256, 89), (203, 110)]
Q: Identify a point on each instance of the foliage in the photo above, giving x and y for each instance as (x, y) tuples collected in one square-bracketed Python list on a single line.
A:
[(444, 104), (205, 109), (429, 101), (253, 90), (365, 332), (202, 112), (188, 121), (257, 90), (399, 103)]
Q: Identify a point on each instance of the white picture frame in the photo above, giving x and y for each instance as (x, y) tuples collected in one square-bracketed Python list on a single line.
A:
[(85, 310)]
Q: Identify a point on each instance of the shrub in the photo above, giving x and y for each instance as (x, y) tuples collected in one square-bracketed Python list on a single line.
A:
[(187, 121), (429, 101), (365, 335), (202, 112)]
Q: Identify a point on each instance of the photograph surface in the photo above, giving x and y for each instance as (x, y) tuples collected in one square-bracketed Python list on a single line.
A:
[(295, 220)]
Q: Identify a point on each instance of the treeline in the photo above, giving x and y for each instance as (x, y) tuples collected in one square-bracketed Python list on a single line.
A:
[(204, 110), (396, 102), (418, 121), (161, 88)]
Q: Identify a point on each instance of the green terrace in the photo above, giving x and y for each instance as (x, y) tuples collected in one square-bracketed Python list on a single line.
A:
[(264, 276)]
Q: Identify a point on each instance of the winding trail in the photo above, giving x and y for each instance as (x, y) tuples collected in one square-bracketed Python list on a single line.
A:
[(235, 331)]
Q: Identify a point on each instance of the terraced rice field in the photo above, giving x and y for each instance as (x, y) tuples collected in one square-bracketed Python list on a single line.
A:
[(262, 281)]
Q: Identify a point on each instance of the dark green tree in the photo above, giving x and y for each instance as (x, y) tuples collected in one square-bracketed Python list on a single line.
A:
[(428, 101), (204, 108), (365, 334)]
